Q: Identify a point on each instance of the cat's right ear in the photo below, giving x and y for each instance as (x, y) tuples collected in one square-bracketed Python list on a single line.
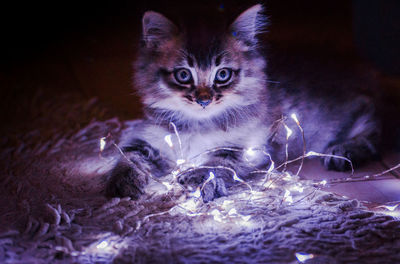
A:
[(157, 29), (247, 25)]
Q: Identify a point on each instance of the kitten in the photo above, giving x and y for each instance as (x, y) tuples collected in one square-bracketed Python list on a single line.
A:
[(211, 86)]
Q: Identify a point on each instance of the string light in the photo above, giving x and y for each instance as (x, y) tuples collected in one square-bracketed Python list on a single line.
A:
[(389, 207), (180, 161), (193, 204), (303, 257), (102, 245), (289, 132), (210, 178), (168, 140), (294, 117), (288, 197), (102, 143)]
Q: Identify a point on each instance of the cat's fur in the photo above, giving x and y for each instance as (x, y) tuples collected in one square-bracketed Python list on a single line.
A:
[(242, 113)]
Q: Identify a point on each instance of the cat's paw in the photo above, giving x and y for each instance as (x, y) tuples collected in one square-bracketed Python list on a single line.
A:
[(358, 151), (342, 150), (125, 181), (210, 188)]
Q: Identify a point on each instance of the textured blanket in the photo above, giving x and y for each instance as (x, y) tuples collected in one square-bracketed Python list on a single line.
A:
[(53, 209)]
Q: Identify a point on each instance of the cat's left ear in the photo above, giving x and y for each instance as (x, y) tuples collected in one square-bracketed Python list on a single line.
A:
[(157, 29), (248, 24)]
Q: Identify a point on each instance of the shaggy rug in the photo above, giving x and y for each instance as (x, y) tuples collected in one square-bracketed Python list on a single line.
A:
[(53, 210)]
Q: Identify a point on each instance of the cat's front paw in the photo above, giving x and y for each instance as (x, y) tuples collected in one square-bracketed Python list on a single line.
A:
[(336, 163), (125, 181), (211, 188)]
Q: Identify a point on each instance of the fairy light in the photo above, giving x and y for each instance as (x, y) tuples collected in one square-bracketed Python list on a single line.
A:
[(289, 132), (313, 153), (269, 184), (180, 162), (107, 245), (257, 195), (250, 154), (294, 117), (303, 257), (297, 188), (193, 204), (197, 193), (389, 207), (168, 140), (236, 178), (217, 215), (246, 218), (189, 205), (178, 138), (102, 143), (210, 178), (102, 245), (296, 120), (168, 185), (287, 176), (288, 197), (395, 214)]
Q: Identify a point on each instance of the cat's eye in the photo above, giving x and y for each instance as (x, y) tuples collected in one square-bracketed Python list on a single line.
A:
[(183, 76), (223, 75)]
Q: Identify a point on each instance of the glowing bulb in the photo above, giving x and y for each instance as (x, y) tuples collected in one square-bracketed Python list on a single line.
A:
[(102, 143), (197, 193), (212, 176), (288, 197), (250, 152), (256, 194), (395, 214), (189, 205), (168, 140), (226, 203), (246, 218), (390, 207), (217, 215), (323, 182), (311, 153), (303, 257), (270, 184), (233, 211), (289, 132), (297, 188), (102, 245), (272, 167), (287, 176), (168, 185), (236, 178), (294, 117), (180, 161)]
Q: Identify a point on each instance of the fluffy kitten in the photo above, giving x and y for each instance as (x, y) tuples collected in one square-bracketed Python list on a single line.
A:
[(211, 84)]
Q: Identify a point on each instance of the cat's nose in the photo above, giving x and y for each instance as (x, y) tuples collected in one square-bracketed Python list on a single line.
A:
[(203, 102)]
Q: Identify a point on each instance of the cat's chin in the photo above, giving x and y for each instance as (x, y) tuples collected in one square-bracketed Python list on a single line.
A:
[(198, 113)]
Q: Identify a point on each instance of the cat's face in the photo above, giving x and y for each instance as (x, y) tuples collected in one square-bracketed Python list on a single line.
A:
[(198, 73)]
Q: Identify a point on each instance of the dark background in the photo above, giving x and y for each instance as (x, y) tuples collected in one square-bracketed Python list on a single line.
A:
[(86, 48)]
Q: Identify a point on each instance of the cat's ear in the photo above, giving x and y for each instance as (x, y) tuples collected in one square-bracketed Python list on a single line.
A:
[(157, 29), (248, 24)]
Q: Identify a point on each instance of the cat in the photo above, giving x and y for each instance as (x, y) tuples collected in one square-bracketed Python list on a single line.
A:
[(210, 87)]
